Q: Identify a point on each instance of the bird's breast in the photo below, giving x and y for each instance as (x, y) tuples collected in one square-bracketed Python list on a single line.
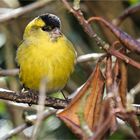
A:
[(53, 61)]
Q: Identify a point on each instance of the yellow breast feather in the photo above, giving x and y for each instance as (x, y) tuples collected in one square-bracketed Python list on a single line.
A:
[(45, 53)]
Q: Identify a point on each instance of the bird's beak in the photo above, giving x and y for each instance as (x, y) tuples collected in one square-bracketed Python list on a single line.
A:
[(56, 32)]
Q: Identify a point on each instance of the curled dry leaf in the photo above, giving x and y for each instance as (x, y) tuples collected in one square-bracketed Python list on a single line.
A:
[(123, 82), (120, 78), (106, 121), (116, 72), (108, 73), (93, 90), (111, 89)]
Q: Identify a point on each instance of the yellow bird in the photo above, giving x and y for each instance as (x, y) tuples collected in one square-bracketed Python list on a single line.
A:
[(45, 53)]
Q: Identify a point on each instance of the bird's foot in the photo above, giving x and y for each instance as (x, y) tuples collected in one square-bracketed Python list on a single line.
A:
[(31, 94), (66, 98)]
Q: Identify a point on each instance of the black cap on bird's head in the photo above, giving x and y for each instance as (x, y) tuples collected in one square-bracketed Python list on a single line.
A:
[(49, 23), (51, 20), (52, 25)]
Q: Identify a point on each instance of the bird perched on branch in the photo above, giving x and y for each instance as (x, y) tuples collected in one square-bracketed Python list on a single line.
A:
[(45, 53)]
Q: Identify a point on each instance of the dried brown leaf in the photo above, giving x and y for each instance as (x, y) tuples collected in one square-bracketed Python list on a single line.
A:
[(123, 82), (108, 73), (116, 72), (105, 121), (93, 89)]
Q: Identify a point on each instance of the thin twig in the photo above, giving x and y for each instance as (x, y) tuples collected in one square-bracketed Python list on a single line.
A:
[(131, 96), (72, 95), (87, 27), (20, 106), (127, 12), (135, 89), (15, 131), (23, 10), (136, 109), (134, 123), (9, 72), (124, 58), (89, 57), (131, 119), (128, 41), (30, 121), (40, 109), (101, 43), (76, 4), (29, 99)]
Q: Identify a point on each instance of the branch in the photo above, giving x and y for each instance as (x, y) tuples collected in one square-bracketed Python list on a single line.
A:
[(87, 27), (76, 4), (101, 43), (124, 58), (132, 120), (23, 10), (136, 109), (90, 57), (135, 89), (30, 121), (15, 131), (126, 13), (9, 72), (131, 97), (30, 98), (127, 41), (40, 109)]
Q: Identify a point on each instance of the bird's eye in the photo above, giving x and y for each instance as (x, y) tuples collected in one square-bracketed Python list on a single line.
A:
[(47, 28)]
